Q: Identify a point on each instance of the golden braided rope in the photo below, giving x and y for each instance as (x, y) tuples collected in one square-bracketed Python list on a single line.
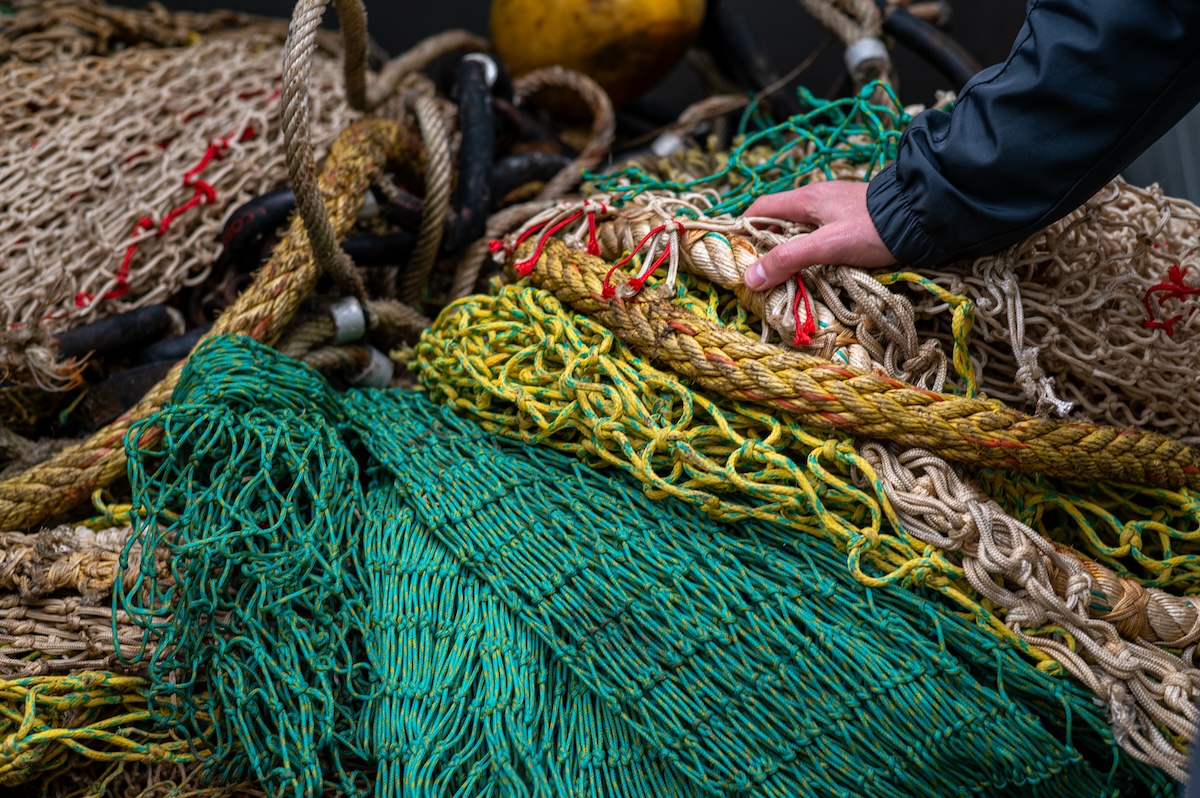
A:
[(261, 312), (980, 432)]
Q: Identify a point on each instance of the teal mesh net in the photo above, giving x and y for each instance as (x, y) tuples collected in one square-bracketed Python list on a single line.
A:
[(371, 594), (862, 131)]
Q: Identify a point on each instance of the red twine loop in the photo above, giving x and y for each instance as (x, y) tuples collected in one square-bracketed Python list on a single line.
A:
[(202, 194), (637, 282), (525, 267), (806, 329), (1173, 288)]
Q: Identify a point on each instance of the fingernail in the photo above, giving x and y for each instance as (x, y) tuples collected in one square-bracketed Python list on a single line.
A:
[(755, 277)]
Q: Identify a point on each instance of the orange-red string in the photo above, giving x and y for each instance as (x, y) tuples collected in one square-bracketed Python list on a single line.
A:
[(806, 329), (1173, 288), (609, 291), (202, 194), (524, 267)]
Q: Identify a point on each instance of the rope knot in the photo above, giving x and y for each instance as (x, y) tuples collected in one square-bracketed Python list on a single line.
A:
[(1027, 614), (1078, 592), (672, 230), (1177, 691)]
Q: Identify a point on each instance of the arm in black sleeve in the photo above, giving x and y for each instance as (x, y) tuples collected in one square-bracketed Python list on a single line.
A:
[(1088, 86)]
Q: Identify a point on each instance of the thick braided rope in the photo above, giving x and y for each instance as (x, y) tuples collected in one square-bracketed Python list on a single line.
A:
[(261, 312), (975, 431)]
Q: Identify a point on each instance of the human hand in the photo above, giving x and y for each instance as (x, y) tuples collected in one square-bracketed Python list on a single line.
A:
[(844, 234)]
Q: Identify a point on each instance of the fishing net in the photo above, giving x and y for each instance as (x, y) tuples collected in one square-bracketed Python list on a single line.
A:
[(1007, 548), (364, 593), (49, 723), (55, 30), (1092, 317), (118, 173), (373, 588), (531, 369)]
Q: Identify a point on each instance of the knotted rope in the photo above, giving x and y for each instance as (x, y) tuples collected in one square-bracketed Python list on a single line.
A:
[(604, 123)]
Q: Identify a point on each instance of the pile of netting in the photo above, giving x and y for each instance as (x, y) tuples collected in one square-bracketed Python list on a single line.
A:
[(1091, 576), (367, 588), (1093, 317), (644, 532)]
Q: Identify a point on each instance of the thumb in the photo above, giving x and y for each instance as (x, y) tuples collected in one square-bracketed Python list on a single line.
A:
[(777, 266)]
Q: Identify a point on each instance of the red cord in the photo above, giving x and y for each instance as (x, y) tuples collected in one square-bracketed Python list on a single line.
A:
[(806, 329), (609, 291), (202, 194), (1173, 288)]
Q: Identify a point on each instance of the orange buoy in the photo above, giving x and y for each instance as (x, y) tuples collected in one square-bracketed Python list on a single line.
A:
[(627, 46)]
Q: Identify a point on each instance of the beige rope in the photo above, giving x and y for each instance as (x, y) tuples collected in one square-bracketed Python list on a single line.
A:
[(604, 124), (419, 57), (297, 66), (349, 360), (435, 133), (394, 319), (1140, 682), (303, 335), (500, 224)]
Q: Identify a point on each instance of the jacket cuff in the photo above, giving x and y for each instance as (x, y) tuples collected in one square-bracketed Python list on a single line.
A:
[(896, 223)]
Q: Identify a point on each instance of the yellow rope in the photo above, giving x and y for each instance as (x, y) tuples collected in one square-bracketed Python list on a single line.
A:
[(963, 429), (48, 721)]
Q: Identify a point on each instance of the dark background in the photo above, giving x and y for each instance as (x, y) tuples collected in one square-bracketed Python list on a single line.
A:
[(788, 34)]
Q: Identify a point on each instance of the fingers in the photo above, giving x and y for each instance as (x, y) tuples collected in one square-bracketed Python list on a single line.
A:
[(845, 233), (796, 206), (814, 204), (823, 245)]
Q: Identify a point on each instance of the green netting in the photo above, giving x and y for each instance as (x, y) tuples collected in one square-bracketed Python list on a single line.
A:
[(380, 596), (856, 131)]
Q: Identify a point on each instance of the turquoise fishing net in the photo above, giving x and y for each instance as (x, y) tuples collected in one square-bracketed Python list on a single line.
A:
[(368, 593), (863, 131)]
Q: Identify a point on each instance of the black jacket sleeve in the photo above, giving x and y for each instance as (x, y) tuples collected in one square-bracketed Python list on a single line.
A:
[(1088, 86)]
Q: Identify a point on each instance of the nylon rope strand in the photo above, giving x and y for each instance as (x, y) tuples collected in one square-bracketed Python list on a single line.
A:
[(512, 621)]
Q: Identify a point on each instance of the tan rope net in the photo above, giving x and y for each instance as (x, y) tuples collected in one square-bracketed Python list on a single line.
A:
[(118, 174)]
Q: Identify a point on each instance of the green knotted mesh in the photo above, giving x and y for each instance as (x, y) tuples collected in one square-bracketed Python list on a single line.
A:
[(371, 594), (860, 132)]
